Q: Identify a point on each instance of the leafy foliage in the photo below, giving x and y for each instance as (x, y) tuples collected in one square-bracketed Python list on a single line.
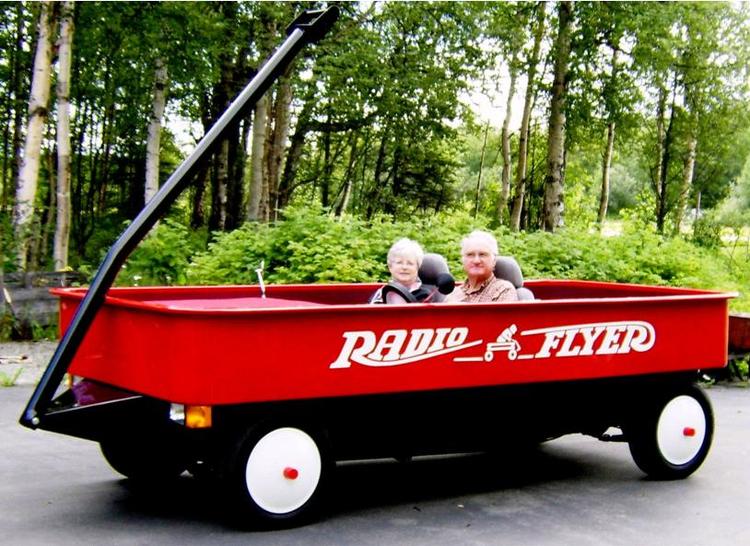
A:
[(311, 246), (384, 142), (162, 258)]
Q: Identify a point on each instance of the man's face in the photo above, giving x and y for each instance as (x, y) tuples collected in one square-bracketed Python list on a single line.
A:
[(403, 269), (479, 261)]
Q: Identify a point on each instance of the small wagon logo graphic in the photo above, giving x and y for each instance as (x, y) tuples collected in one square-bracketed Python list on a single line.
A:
[(504, 342)]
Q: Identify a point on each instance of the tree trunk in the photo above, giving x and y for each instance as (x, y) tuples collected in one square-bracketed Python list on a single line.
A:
[(348, 175), (688, 168), (256, 159), (481, 168), (665, 154), (661, 107), (237, 162), (606, 166), (197, 215), (294, 153), (13, 111), (280, 134), (374, 195), (20, 66), (265, 203), (45, 229), (502, 205), (62, 222), (520, 181), (687, 180), (153, 147), (607, 155), (325, 180), (222, 92), (222, 173), (554, 180), (38, 111)]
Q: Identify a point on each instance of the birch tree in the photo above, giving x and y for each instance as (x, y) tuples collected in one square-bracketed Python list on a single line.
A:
[(153, 144), (62, 219), (13, 94), (278, 136), (554, 180), (502, 204), (256, 159), (523, 133), (38, 112)]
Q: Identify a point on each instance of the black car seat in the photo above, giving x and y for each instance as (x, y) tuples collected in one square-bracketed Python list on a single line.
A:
[(436, 278), (507, 268)]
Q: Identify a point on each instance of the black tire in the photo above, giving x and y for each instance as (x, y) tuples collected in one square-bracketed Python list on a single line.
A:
[(141, 460), (671, 435), (278, 476)]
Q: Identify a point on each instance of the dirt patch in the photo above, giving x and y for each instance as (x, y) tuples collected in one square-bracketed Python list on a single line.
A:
[(30, 357)]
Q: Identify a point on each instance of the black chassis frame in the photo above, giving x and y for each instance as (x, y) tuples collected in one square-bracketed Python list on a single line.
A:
[(502, 418)]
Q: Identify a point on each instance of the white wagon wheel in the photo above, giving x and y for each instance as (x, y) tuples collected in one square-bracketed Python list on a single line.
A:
[(279, 474), (671, 436)]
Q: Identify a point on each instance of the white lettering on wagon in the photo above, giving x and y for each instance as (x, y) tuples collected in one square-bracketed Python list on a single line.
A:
[(397, 347), (602, 338)]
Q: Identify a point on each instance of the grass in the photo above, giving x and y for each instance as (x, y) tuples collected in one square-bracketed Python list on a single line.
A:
[(10, 379)]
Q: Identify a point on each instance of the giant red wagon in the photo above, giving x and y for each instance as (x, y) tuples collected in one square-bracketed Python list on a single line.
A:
[(267, 391)]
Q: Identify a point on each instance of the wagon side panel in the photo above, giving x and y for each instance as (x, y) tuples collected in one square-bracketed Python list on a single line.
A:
[(329, 351)]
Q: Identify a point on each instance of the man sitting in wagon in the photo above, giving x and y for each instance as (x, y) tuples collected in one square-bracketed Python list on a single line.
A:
[(478, 254)]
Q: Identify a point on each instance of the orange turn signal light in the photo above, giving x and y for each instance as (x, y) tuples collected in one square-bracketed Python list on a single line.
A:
[(198, 416)]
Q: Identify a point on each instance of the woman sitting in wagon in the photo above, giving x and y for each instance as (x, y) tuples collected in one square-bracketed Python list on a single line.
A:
[(404, 260)]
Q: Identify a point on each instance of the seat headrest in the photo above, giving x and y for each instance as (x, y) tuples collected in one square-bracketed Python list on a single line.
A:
[(432, 266), (507, 268)]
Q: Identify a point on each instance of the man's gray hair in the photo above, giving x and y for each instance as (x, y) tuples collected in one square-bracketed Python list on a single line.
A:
[(482, 237), (408, 248)]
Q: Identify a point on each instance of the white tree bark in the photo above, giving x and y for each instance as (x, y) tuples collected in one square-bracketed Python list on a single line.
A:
[(62, 225), (153, 145), (278, 143), (688, 169), (502, 205), (606, 169), (520, 179), (256, 159), (38, 111), (554, 181)]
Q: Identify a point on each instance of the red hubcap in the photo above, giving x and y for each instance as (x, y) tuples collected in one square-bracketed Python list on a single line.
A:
[(291, 473), (688, 431)]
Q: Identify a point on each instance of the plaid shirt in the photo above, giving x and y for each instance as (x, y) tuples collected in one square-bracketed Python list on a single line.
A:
[(493, 289)]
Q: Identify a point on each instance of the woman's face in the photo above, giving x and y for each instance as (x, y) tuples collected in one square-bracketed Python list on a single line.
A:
[(403, 269), (479, 261)]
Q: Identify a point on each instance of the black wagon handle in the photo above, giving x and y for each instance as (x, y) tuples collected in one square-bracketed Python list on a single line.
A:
[(309, 27)]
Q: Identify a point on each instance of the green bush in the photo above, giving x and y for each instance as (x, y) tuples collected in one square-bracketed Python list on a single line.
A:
[(310, 246), (707, 232), (162, 258)]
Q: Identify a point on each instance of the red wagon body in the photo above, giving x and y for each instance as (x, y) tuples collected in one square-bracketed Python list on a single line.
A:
[(227, 345)]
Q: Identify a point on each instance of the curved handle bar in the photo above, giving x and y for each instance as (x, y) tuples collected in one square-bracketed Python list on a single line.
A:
[(307, 28)]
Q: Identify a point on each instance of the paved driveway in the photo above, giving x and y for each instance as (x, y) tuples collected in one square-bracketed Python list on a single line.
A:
[(575, 490)]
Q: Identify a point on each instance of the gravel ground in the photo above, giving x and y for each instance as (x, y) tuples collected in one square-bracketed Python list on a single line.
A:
[(31, 357)]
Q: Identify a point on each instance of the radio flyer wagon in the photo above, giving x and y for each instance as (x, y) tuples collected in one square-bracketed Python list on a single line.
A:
[(269, 387)]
